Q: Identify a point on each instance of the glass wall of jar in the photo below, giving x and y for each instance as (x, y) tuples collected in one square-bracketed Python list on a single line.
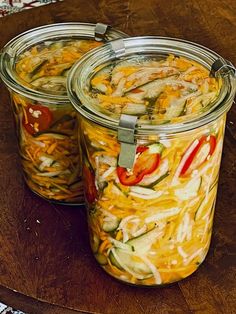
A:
[(152, 120), (34, 67), (152, 225)]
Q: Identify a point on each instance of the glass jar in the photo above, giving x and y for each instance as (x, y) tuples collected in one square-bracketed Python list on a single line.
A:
[(34, 67), (151, 160)]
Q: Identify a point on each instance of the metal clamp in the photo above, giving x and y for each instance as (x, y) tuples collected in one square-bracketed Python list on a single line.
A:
[(9, 52), (223, 67), (118, 47), (100, 31), (126, 137)]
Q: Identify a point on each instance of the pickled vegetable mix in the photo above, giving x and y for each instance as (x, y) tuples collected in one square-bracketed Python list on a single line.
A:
[(47, 132), (151, 224), (45, 66), (158, 91)]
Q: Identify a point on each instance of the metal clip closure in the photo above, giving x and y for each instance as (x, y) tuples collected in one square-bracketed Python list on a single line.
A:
[(9, 52), (127, 141), (100, 31), (118, 47), (223, 67)]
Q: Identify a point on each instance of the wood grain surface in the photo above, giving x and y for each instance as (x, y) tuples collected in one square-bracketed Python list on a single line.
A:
[(44, 249)]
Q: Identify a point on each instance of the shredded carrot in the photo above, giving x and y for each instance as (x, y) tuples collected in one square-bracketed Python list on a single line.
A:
[(119, 235), (30, 156), (104, 245), (25, 115), (36, 152), (57, 180), (51, 148), (68, 197), (61, 188)]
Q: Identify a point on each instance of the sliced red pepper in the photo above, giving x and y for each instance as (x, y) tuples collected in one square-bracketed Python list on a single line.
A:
[(212, 142), (141, 149), (39, 118), (145, 164), (137, 90), (211, 139), (89, 185)]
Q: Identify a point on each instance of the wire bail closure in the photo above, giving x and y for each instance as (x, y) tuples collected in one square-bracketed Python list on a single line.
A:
[(100, 31), (223, 67), (10, 52), (118, 47), (126, 137)]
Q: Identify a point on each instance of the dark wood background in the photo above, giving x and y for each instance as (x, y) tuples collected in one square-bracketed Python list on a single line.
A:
[(44, 249)]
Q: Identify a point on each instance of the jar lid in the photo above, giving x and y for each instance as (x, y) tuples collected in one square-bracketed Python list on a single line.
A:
[(142, 85), (164, 82), (36, 62)]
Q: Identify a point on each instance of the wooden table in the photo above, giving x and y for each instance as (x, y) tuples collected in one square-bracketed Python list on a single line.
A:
[(44, 249)]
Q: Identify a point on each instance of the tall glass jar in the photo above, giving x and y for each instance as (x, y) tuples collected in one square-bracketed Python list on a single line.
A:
[(152, 119), (34, 67)]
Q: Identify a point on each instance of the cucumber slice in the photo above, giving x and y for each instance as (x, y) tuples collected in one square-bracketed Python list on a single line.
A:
[(110, 223), (37, 67), (108, 160), (121, 64), (141, 190), (215, 182), (189, 190), (45, 162), (152, 185), (130, 262), (199, 209), (114, 261), (176, 109), (134, 109), (66, 72), (149, 91), (96, 82), (156, 148), (52, 83), (147, 75), (121, 245), (102, 259), (95, 242), (56, 45), (55, 135), (143, 243), (144, 193)]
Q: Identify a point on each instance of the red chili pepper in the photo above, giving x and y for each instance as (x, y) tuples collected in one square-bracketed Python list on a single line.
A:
[(39, 119), (211, 139), (89, 185), (141, 149), (137, 90), (145, 164), (212, 142)]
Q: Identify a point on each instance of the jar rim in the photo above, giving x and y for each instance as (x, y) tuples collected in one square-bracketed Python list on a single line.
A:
[(34, 36), (121, 48)]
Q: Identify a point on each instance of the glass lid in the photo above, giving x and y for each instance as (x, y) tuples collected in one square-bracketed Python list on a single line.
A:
[(40, 59), (44, 66), (161, 81)]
